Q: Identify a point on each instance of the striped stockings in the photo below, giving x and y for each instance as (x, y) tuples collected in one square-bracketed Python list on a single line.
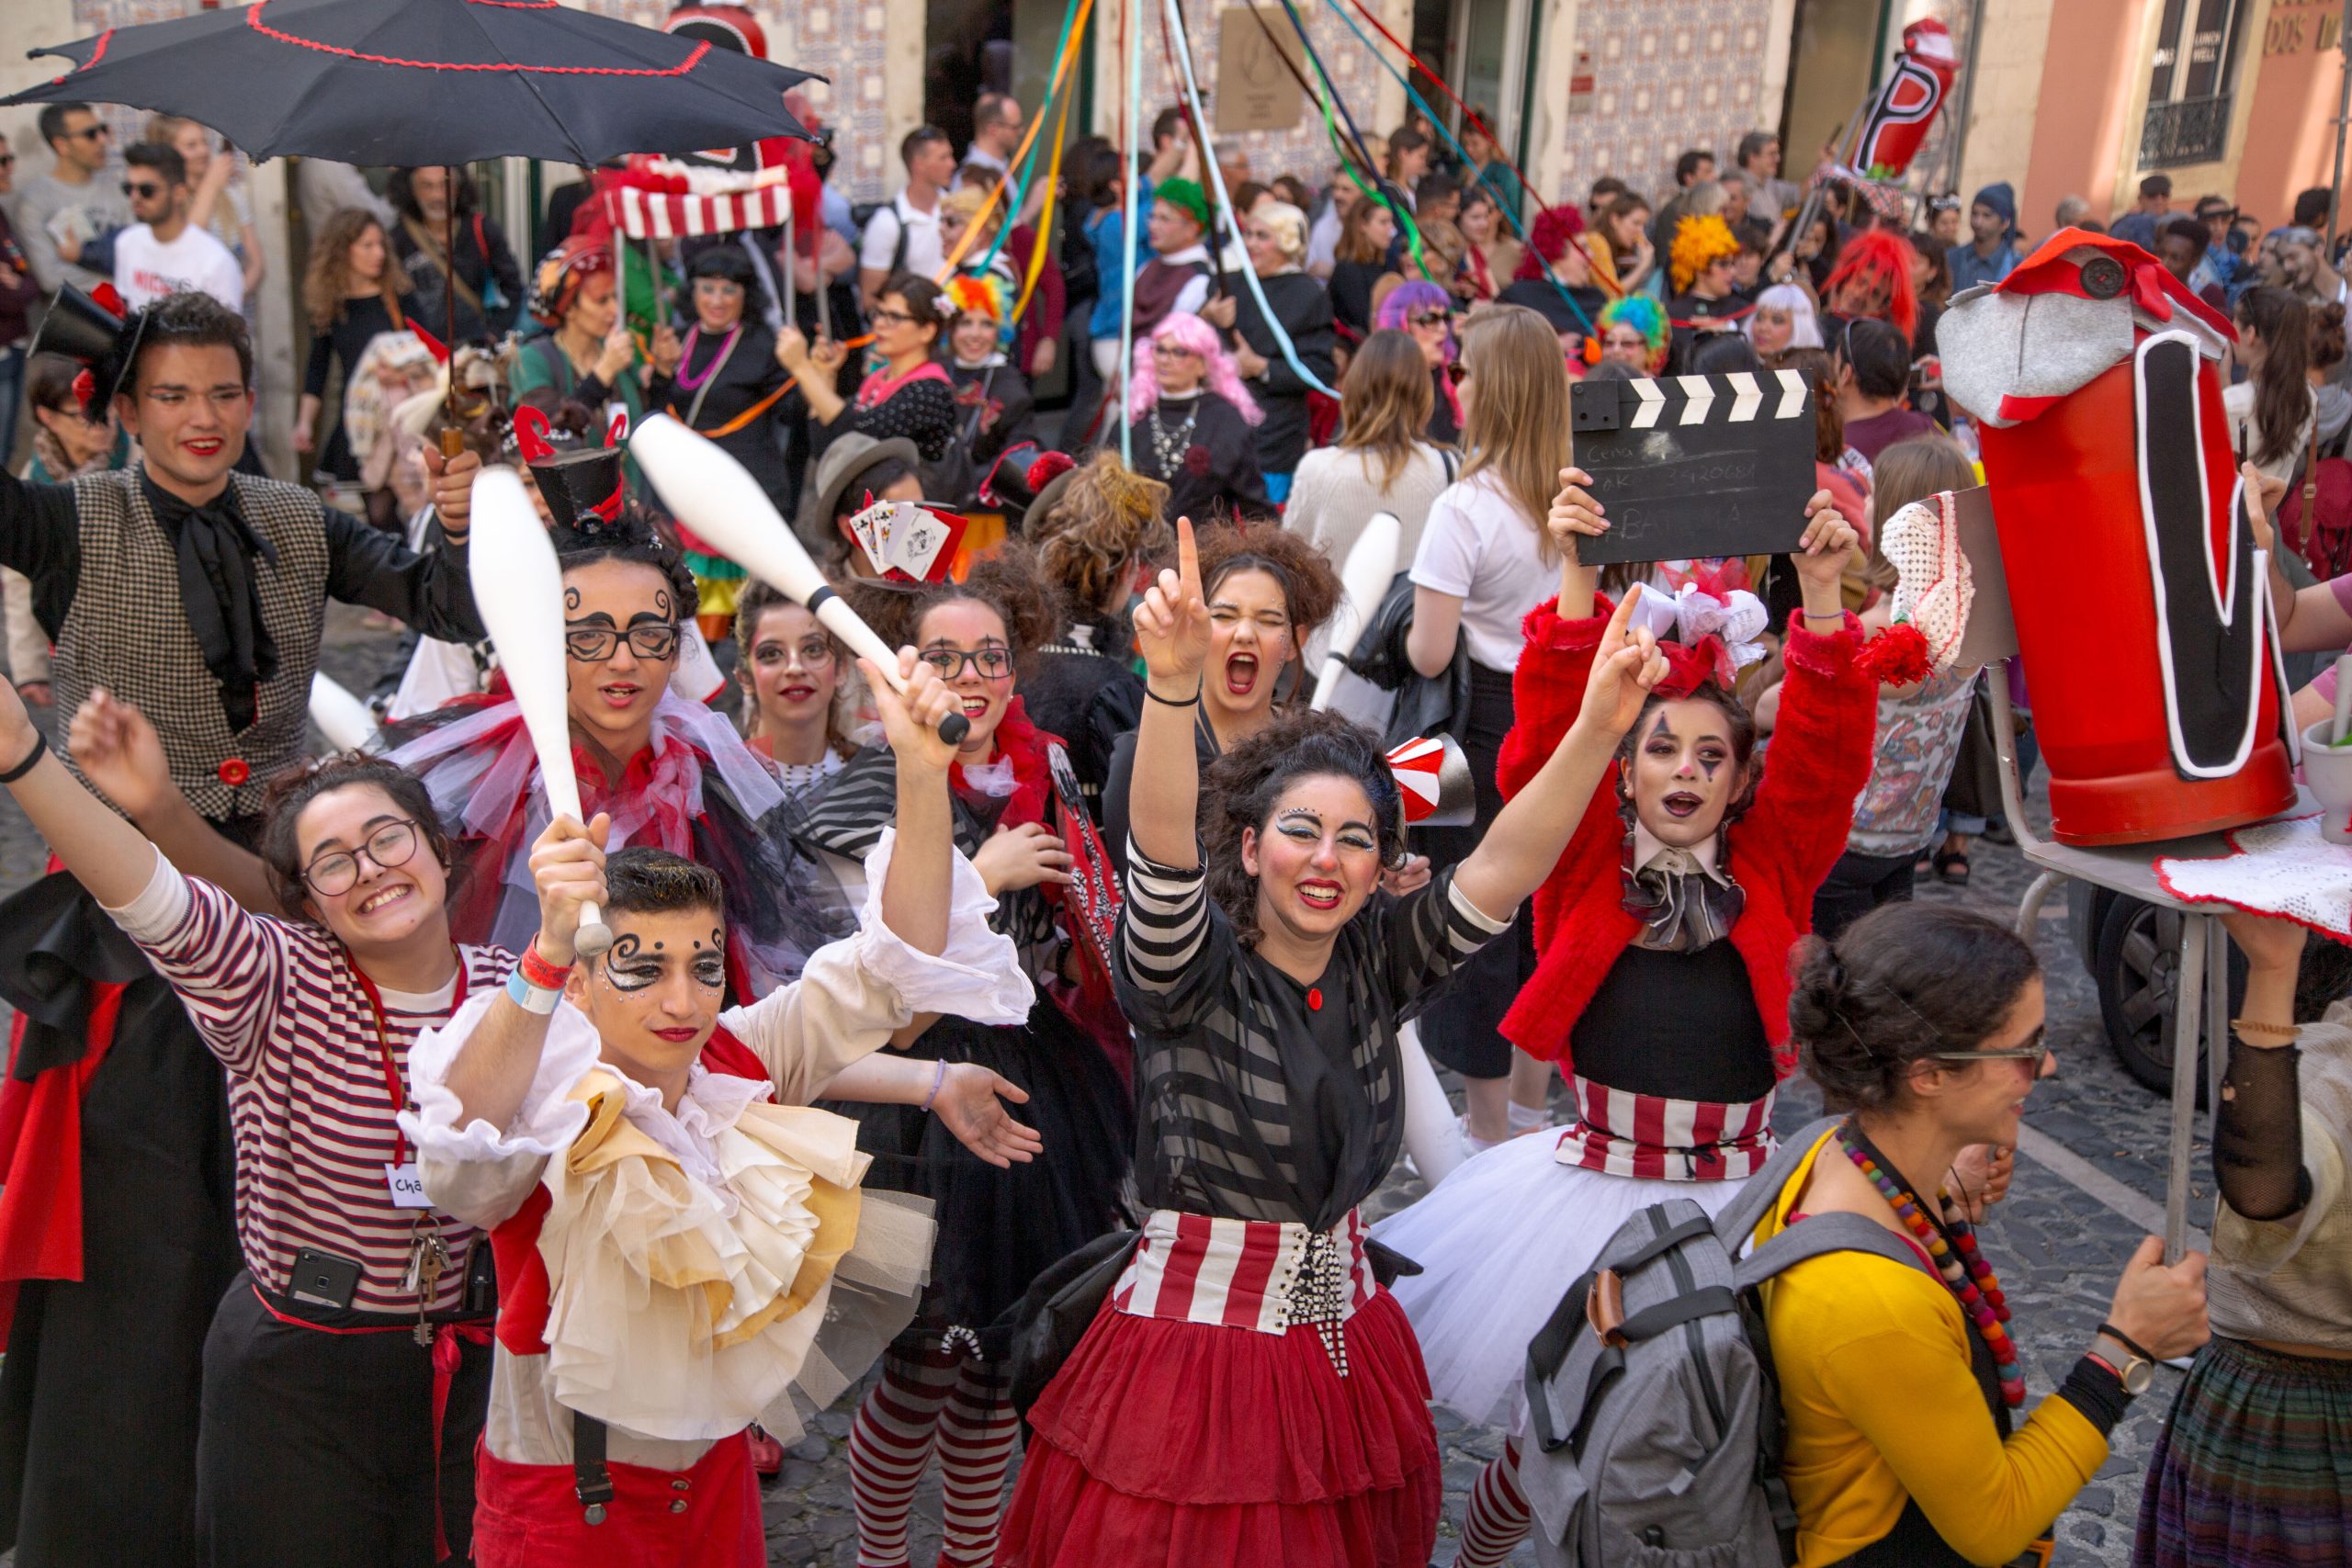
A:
[(938, 1398), (1496, 1521)]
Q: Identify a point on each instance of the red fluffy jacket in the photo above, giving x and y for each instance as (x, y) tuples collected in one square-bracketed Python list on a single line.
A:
[(1779, 851)]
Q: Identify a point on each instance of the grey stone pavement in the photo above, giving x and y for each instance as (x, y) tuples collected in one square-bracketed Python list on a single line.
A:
[(2057, 1248)]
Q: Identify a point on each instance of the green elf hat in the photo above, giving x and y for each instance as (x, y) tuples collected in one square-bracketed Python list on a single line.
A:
[(1185, 195)]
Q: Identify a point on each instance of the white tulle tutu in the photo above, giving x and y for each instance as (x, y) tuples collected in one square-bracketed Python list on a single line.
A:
[(1499, 1242)]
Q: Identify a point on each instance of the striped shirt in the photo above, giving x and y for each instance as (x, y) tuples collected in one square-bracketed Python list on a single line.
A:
[(283, 1007), (1263, 1098)]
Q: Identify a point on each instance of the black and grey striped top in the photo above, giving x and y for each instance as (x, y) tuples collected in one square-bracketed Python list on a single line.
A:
[(1263, 1098)]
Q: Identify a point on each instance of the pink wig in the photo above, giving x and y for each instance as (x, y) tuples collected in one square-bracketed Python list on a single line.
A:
[(1190, 332)]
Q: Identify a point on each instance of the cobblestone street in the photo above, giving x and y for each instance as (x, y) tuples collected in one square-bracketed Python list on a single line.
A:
[(2057, 1247)]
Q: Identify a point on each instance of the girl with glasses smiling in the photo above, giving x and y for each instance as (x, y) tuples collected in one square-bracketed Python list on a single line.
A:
[(350, 1281), (668, 770)]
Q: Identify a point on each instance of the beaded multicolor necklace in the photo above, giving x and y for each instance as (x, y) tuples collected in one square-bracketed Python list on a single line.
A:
[(1967, 1275)]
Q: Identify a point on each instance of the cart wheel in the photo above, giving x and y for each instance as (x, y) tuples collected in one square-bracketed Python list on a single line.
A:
[(2136, 966)]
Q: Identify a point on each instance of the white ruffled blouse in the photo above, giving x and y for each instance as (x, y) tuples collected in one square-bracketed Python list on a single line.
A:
[(707, 1262)]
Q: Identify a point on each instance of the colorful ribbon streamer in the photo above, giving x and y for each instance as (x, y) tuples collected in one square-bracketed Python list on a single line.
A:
[(1183, 53)]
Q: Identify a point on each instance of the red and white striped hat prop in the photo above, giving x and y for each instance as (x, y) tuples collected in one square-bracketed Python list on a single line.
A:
[(1434, 777)]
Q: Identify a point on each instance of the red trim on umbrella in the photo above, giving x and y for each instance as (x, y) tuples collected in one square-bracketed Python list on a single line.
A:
[(685, 67), (95, 55), (521, 5)]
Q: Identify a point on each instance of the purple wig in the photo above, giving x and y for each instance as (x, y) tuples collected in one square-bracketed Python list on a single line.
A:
[(1190, 332), (1405, 301)]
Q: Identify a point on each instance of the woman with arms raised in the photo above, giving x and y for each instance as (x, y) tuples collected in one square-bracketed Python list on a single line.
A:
[(1265, 975)]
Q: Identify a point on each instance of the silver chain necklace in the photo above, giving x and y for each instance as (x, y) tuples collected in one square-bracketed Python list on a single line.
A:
[(1167, 450)]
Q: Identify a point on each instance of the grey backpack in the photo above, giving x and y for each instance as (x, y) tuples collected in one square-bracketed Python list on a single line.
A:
[(1654, 1422)]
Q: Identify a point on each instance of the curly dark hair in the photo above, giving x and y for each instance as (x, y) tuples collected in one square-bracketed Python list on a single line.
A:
[(1009, 582), (1902, 983), (1310, 585), (192, 318), (1244, 786), (291, 791)]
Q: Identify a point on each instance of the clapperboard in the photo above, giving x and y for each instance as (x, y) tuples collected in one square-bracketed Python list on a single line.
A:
[(1692, 465)]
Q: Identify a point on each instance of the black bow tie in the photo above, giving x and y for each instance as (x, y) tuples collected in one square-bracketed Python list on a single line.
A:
[(216, 547)]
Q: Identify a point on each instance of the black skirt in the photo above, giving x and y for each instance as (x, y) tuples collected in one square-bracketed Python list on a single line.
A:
[(1462, 1028), (999, 1228)]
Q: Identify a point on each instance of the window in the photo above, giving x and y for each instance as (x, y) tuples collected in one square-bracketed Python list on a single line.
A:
[(2190, 83)]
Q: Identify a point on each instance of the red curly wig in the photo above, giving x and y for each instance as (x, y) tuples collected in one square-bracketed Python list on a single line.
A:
[(1548, 239), (1876, 259)]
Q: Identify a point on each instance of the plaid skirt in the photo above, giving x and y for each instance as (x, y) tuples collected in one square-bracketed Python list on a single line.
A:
[(2253, 1470)]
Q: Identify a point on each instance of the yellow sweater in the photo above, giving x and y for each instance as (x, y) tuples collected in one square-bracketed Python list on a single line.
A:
[(1873, 1359)]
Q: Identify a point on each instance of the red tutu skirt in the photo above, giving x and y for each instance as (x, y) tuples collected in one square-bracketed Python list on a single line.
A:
[(1163, 1441)]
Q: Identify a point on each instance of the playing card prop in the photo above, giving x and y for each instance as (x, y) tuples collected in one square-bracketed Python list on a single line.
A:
[(1434, 778), (1695, 466), (910, 542), (2141, 604), (708, 490)]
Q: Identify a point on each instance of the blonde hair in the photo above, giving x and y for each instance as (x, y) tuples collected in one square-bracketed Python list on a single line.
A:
[(1517, 427), (1385, 402), (1288, 224)]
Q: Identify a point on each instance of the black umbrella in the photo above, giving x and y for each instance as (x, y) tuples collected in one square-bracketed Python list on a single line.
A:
[(418, 82)]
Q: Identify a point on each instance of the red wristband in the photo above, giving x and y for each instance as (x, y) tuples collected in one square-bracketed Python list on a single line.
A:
[(538, 972)]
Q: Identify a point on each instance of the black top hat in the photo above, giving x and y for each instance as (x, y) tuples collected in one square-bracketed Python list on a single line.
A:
[(97, 331), (581, 484), (1026, 481)]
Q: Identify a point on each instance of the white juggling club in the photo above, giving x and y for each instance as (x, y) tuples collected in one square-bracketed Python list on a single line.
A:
[(518, 588), (342, 718), (716, 496), (1365, 577)]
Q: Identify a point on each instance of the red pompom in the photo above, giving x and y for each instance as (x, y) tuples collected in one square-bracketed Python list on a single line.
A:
[(106, 298), (1049, 467), (1896, 656), (86, 390)]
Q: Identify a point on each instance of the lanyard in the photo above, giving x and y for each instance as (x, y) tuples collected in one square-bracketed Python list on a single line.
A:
[(393, 1091)]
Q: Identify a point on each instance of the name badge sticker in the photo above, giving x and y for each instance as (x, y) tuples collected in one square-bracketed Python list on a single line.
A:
[(406, 1184)]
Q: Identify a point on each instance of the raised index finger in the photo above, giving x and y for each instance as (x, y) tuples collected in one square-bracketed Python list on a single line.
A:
[(1615, 634), (1188, 555)]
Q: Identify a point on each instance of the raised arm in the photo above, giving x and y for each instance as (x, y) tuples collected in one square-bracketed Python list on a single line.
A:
[(916, 892), (492, 1071), (105, 855), (1519, 849), (1173, 636), (119, 752)]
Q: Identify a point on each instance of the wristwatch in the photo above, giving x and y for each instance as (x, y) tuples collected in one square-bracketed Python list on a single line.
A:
[(2134, 1370)]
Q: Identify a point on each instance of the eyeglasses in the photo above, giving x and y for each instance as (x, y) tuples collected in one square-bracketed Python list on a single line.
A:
[(878, 316), (593, 645), (337, 870), (993, 663), (1429, 318), (89, 133), (1168, 348), (2033, 1053), (142, 189)]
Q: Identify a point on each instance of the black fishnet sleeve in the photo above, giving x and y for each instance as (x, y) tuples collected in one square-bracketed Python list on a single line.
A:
[(2258, 1134)]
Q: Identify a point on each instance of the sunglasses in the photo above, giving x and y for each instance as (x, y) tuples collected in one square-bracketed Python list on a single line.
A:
[(2033, 1051), (89, 133), (1429, 318), (142, 189)]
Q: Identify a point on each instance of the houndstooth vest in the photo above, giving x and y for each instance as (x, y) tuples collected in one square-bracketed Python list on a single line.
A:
[(125, 631)]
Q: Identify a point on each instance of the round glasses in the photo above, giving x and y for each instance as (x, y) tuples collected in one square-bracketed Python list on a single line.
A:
[(337, 870), (593, 645), (993, 663)]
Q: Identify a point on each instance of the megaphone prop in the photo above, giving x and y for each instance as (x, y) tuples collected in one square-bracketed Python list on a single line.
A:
[(97, 331), (1434, 778)]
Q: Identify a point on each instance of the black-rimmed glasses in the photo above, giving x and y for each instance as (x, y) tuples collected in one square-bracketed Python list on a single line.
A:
[(337, 870), (593, 645), (993, 663)]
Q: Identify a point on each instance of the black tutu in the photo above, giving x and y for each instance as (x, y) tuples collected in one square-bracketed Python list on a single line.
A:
[(1000, 1228)]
